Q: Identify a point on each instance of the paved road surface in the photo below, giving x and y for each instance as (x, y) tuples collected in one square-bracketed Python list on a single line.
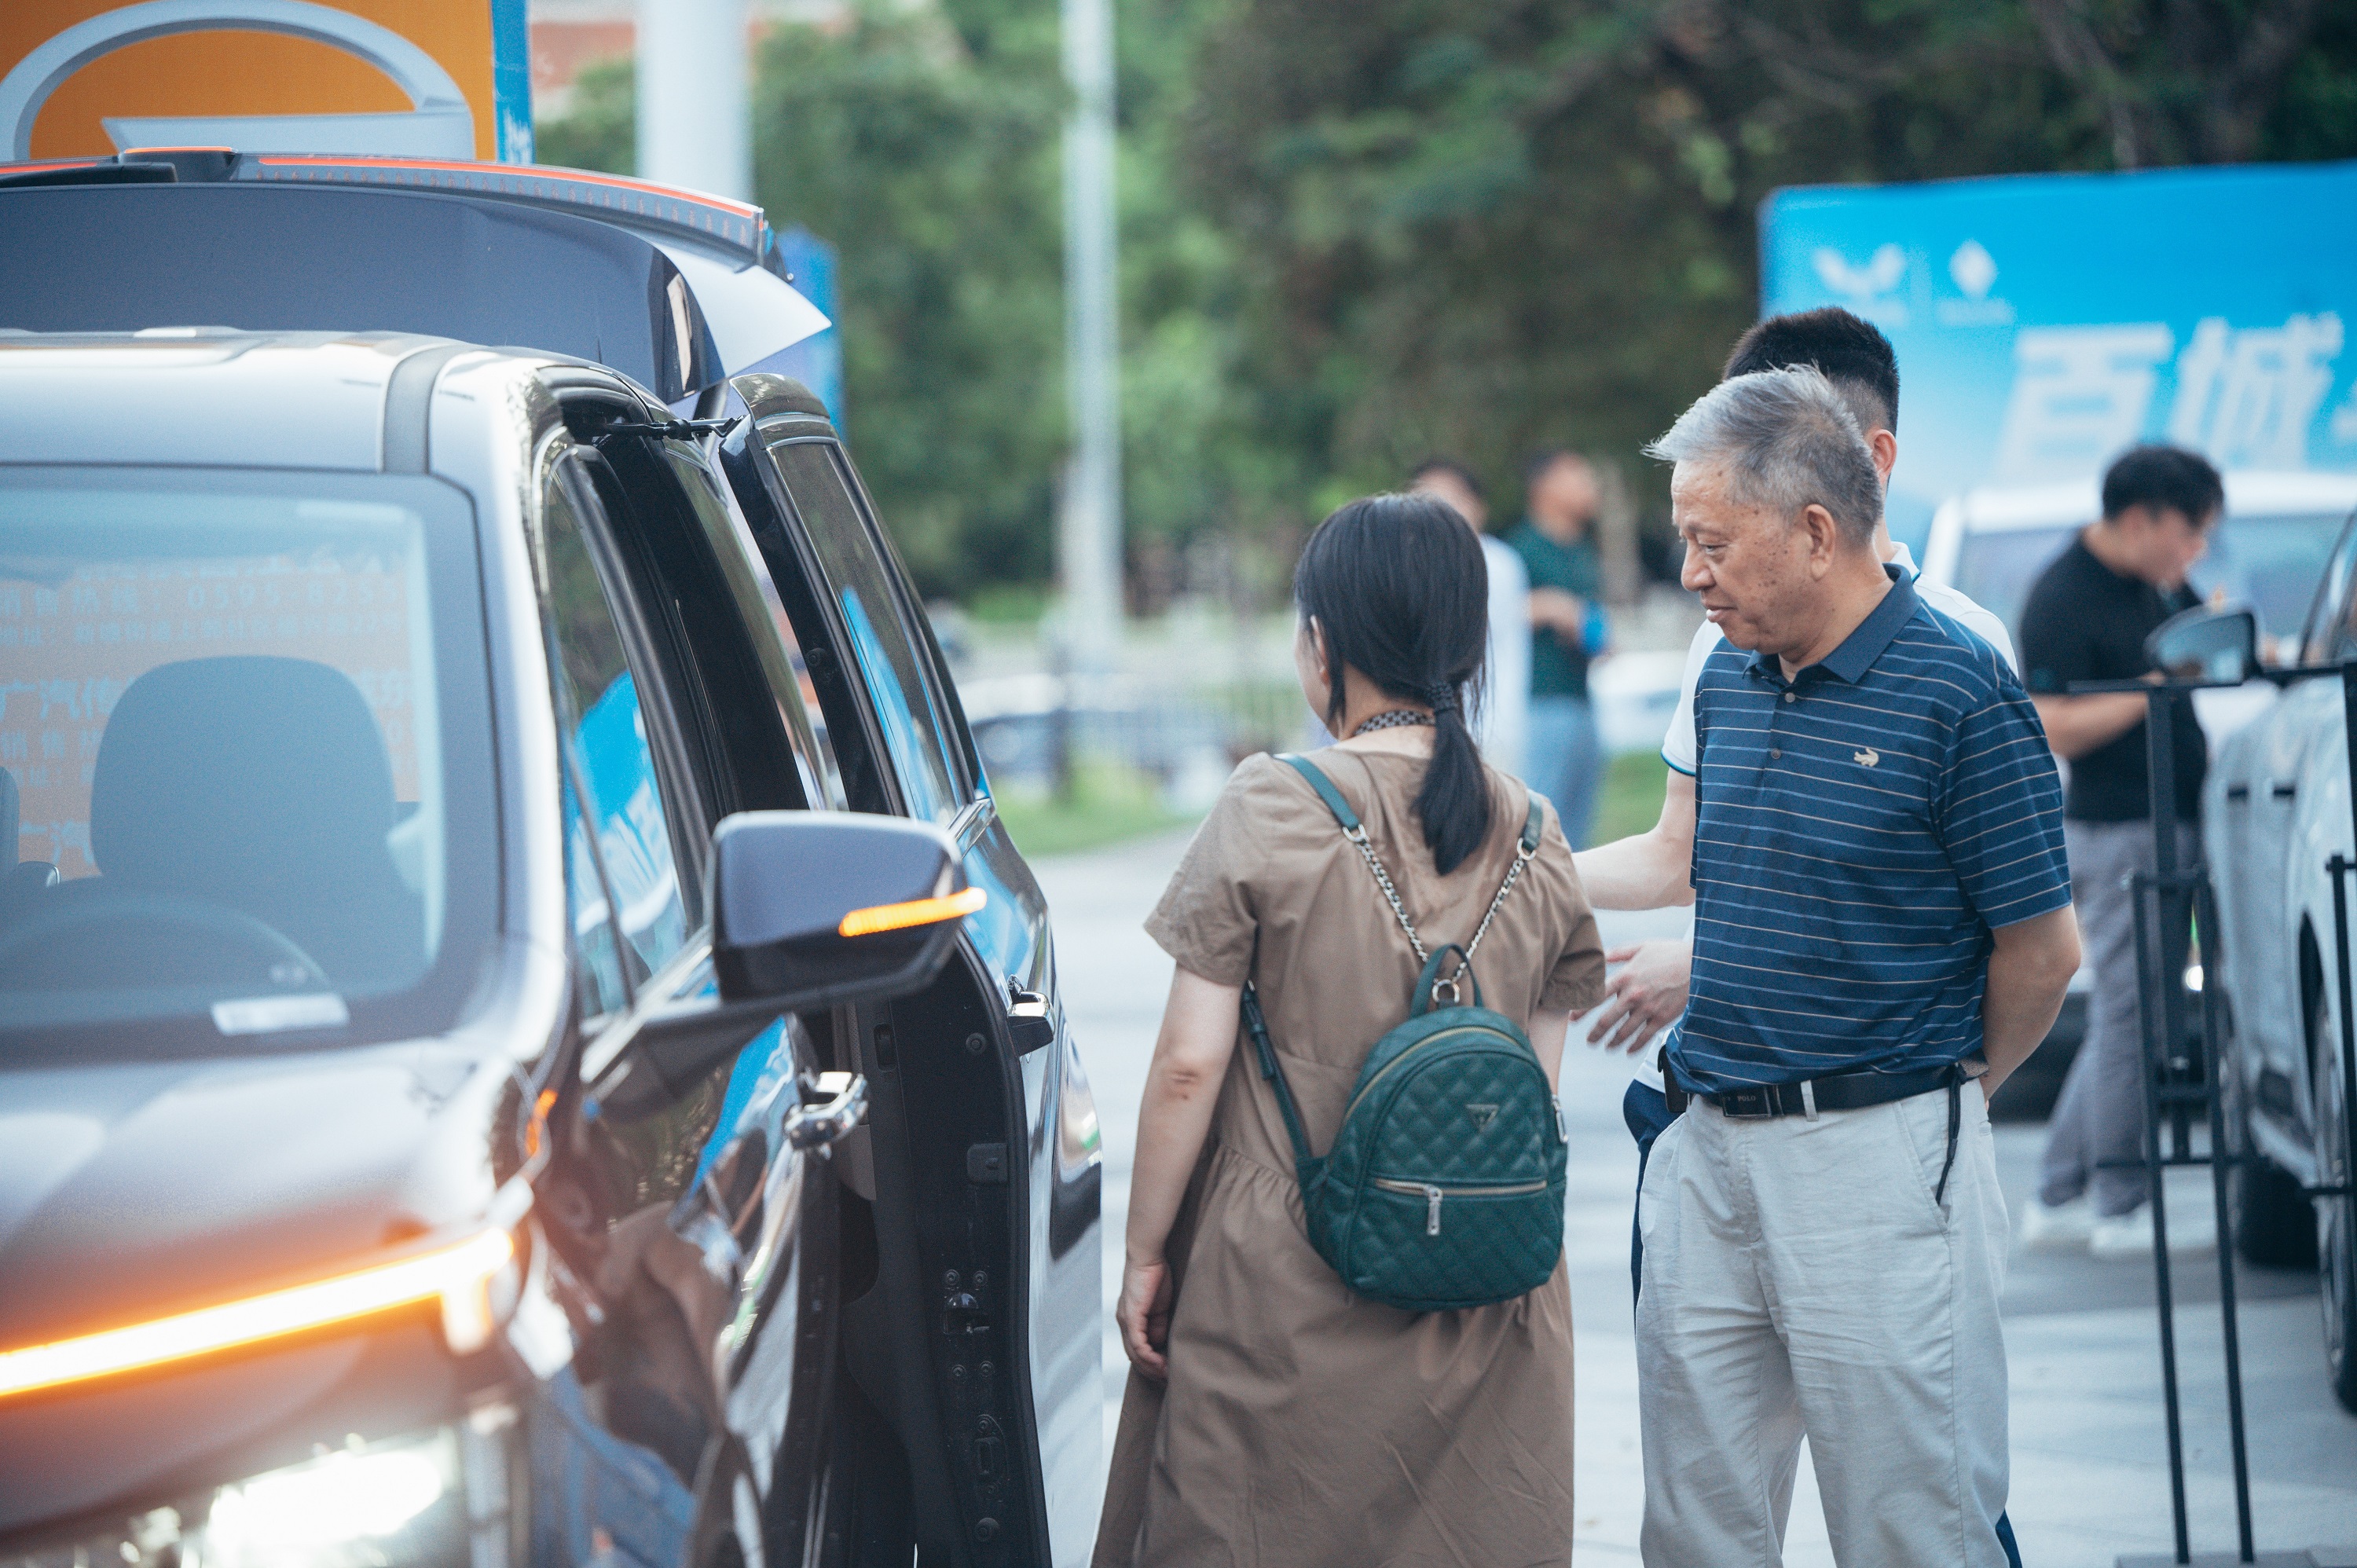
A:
[(2090, 1469)]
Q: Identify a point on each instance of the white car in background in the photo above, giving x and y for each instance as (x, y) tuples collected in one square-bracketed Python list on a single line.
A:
[(2269, 552)]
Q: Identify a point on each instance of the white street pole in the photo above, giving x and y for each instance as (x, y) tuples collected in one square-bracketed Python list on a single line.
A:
[(695, 96), (1089, 530)]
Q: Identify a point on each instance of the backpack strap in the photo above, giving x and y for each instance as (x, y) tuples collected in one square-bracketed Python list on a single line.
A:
[(1256, 1026), (1356, 831), (1431, 983), (1326, 791)]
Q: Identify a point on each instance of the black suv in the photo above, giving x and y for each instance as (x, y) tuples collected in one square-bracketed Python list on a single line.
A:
[(522, 1036)]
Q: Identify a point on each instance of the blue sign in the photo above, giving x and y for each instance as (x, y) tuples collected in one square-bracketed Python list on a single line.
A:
[(2045, 322)]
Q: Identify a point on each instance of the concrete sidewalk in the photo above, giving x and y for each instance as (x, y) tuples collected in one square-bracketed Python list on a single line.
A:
[(2090, 1473)]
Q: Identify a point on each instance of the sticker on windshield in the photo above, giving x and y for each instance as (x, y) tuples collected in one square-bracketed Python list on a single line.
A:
[(275, 1015)]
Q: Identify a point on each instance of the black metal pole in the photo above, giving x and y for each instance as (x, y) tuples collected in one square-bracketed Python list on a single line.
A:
[(2339, 866), (2213, 1037), (2341, 923), (2161, 1046), (2137, 888)]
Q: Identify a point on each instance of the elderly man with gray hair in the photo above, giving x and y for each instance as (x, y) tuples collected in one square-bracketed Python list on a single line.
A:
[(1882, 932)]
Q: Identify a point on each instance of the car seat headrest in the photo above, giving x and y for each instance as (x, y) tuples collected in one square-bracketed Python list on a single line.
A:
[(240, 771)]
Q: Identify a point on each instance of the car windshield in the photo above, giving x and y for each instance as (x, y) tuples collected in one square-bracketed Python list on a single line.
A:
[(225, 764), (2271, 562)]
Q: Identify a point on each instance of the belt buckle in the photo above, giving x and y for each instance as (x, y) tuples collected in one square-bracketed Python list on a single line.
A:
[(1747, 1105)]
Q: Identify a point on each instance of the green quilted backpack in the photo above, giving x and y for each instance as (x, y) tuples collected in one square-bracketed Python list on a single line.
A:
[(1445, 1187)]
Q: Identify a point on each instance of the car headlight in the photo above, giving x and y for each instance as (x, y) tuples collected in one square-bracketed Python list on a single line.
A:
[(364, 1506), (401, 1502)]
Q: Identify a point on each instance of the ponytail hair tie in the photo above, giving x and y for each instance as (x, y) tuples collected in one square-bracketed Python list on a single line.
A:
[(1442, 695)]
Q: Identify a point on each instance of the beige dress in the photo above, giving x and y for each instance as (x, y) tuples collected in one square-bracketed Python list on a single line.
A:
[(1302, 1426)]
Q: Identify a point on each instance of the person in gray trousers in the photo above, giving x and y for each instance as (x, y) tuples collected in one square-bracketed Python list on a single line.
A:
[(2086, 619)]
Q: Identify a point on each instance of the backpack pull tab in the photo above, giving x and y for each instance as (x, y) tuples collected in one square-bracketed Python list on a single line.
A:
[(1432, 1211)]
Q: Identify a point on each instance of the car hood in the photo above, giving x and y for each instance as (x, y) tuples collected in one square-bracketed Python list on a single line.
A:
[(132, 1190)]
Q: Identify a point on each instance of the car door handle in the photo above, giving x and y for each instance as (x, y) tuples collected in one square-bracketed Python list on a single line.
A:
[(1028, 1020), (828, 1121)]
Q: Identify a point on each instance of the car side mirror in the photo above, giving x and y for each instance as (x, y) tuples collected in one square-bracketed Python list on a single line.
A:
[(2203, 644), (811, 908)]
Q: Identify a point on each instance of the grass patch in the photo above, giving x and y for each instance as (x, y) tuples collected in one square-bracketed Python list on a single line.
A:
[(1632, 799), (1110, 803)]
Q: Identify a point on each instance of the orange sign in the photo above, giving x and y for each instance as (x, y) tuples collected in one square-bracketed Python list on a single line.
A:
[(447, 79)]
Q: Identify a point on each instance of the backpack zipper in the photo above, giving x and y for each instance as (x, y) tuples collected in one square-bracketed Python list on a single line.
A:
[(1433, 1194), (1408, 1054)]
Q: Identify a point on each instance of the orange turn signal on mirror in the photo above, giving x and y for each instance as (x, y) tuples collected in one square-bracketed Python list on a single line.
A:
[(915, 912), (450, 1273)]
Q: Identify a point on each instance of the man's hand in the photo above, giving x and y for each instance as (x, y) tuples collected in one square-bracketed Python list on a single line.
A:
[(2029, 967), (2077, 725), (1564, 614), (1647, 994)]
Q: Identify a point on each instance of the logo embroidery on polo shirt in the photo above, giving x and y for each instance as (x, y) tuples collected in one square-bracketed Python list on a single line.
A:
[(1482, 1116), (1869, 756)]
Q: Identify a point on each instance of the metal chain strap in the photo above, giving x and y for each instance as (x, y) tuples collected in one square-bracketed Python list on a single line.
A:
[(1399, 912)]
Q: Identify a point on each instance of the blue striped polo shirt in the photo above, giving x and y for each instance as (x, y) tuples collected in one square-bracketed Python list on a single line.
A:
[(1859, 830)]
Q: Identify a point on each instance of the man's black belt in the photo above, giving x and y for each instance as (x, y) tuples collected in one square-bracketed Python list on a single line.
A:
[(1839, 1092)]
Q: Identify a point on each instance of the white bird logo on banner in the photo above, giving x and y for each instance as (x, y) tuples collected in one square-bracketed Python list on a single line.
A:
[(1881, 274)]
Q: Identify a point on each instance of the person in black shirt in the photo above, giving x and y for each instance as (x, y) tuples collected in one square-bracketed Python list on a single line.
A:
[(2087, 619)]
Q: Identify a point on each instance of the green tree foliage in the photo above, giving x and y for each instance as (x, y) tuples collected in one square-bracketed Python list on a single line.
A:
[(1354, 234), (600, 127), (1480, 227)]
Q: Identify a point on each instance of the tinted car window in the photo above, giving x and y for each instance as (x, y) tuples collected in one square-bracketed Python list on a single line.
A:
[(223, 727), (914, 719), (772, 634), (620, 873), (2329, 634), (2270, 561)]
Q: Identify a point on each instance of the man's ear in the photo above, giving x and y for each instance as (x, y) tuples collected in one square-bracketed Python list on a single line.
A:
[(1883, 447), (1824, 536)]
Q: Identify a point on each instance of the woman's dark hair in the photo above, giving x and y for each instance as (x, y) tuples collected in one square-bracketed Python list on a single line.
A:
[(1398, 588)]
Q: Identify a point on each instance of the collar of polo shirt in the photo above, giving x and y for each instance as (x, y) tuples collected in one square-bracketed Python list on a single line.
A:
[(1862, 647)]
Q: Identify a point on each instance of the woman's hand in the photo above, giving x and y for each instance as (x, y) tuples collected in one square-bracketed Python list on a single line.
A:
[(1143, 1314), (1183, 1085)]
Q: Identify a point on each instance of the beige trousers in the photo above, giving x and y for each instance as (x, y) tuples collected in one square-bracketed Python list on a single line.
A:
[(1799, 1279)]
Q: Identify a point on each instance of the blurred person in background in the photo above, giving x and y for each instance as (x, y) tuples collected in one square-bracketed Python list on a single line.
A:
[(1502, 724), (1565, 756), (2086, 619)]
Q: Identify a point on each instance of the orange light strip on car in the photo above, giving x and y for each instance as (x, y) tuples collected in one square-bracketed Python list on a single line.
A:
[(447, 1270), (915, 912)]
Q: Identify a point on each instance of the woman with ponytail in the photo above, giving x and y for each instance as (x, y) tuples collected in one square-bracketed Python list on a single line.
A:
[(1272, 1418)]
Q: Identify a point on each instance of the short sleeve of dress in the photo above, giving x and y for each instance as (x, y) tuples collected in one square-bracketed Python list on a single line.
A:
[(1208, 915)]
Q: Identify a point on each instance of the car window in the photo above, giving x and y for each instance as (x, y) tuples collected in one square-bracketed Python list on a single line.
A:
[(1996, 570), (2270, 562), (912, 716), (2327, 633), (622, 878), (778, 648), (226, 749)]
